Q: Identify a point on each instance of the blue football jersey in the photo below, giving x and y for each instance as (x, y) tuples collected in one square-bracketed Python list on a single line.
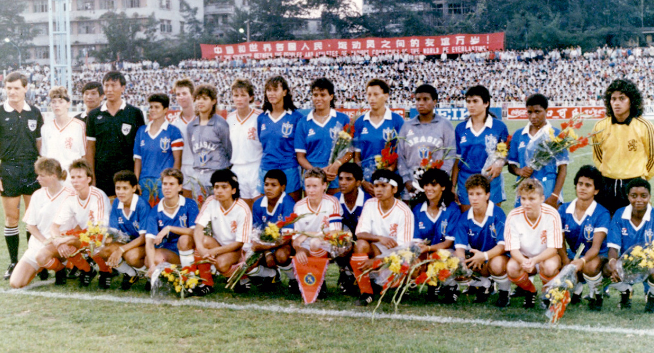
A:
[(316, 140), (156, 152), (278, 140), (623, 234), (184, 218), (437, 229), (283, 209), (134, 224), (370, 139), (577, 232), (471, 145), (480, 236), (350, 217)]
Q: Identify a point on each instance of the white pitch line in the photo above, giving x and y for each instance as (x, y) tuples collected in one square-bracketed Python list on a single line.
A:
[(334, 313)]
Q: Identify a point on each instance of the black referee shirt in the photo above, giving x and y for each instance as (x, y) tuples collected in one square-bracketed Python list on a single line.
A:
[(19, 133), (114, 141)]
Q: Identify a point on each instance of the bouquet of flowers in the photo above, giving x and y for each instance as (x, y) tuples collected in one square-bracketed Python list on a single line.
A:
[(426, 164), (340, 242), (547, 147), (200, 192), (91, 238), (557, 291), (270, 235), (171, 277), (116, 236), (342, 141), (153, 191), (441, 266), (388, 156), (495, 151), (636, 263)]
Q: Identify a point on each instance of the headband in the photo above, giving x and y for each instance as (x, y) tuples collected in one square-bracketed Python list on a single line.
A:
[(385, 180)]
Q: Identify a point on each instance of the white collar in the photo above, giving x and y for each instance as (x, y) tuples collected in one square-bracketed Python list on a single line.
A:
[(388, 114), (103, 107), (9, 108), (264, 201), (132, 206), (164, 126), (544, 129), (280, 117), (488, 123), (589, 210), (182, 202), (489, 213), (332, 113), (626, 214), (359, 201)]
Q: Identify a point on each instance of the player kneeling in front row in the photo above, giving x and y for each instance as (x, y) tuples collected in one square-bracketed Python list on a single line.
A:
[(39, 216), (172, 218), (231, 224), (631, 225), (532, 234), (385, 223), (435, 219), (89, 205), (323, 213), (586, 222), (127, 220), (480, 234)]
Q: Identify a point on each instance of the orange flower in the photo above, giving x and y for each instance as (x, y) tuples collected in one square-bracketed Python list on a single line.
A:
[(438, 164), (434, 256), (422, 278), (564, 126), (443, 275)]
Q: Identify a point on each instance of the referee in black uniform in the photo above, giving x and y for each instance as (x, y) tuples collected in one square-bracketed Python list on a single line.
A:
[(110, 133), (20, 143)]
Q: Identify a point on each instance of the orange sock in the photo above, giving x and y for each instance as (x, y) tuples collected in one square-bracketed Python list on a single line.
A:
[(101, 264), (54, 264), (363, 281), (544, 279), (205, 272), (524, 283), (80, 263)]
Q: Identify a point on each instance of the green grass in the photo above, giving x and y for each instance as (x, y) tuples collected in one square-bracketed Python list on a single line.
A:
[(39, 324)]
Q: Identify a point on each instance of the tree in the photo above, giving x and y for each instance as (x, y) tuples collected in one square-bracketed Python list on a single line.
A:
[(269, 20), (127, 37), (13, 26)]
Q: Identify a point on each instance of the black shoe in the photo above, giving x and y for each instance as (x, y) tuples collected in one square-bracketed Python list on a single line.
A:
[(74, 273), (450, 295), (323, 291), (346, 284), (545, 304), (364, 300), (595, 304), (85, 278), (104, 282), (625, 300), (576, 299), (10, 270), (649, 306), (519, 292), (482, 295), (504, 300), (470, 291), (148, 286), (128, 281), (293, 286), (43, 275), (530, 300), (60, 277), (203, 289), (432, 293), (242, 287)]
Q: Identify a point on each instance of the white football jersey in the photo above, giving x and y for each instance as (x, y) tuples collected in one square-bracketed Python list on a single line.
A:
[(246, 147), (75, 212), (533, 238), (64, 143), (327, 216), (43, 209), (231, 225), (397, 223), (181, 124)]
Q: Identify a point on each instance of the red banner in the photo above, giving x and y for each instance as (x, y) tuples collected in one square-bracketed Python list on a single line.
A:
[(310, 277), (560, 112), (432, 45)]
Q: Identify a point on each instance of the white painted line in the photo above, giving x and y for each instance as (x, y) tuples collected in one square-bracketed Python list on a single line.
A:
[(334, 313)]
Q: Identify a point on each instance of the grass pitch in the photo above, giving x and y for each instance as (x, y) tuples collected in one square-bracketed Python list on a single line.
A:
[(72, 319)]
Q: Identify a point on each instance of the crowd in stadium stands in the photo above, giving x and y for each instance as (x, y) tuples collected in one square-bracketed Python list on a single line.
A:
[(569, 76)]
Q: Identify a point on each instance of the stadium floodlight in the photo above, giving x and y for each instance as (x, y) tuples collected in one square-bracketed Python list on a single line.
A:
[(7, 40)]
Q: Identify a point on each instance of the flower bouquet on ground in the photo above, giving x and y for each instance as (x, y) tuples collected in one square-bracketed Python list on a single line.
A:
[(557, 291), (168, 277), (547, 147), (270, 235), (496, 151), (342, 141), (340, 242), (636, 264)]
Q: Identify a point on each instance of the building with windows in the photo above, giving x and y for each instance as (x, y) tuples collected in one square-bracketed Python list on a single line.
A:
[(86, 27)]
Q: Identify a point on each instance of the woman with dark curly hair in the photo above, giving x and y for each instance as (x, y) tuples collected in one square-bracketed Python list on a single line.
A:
[(624, 143)]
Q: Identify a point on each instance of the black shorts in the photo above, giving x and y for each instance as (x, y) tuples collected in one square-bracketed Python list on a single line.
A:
[(18, 178)]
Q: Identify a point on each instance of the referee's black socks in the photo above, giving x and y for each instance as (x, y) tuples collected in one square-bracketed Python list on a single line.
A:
[(11, 237)]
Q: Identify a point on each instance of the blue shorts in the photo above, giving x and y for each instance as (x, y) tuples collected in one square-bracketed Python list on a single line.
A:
[(151, 186), (292, 179), (497, 193), (548, 189), (332, 185), (168, 245)]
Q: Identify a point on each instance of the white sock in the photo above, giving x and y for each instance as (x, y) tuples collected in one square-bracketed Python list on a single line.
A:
[(186, 258), (503, 282), (126, 269), (261, 271), (594, 283), (142, 269), (288, 271), (620, 287), (579, 288), (651, 287), (484, 282)]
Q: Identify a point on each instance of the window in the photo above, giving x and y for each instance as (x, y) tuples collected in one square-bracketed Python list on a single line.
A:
[(130, 4), (459, 9), (84, 5), (41, 29), (86, 27), (42, 53), (166, 26), (107, 4), (40, 6), (165, 4)]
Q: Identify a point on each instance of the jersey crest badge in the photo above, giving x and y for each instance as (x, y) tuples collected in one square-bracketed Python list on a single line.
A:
[(233, 227), (388, 134), (136, 225), (588, 232), (491, 142), (393, 231), (333, 132), (648, 235), (68, 144), (311, 133), (31, 124), (126, 129), (203, 157), (443, 227), (287, 129), (252, 134), (493, 231), (423, 152), (164, 143), (543, 237), (182, 220)]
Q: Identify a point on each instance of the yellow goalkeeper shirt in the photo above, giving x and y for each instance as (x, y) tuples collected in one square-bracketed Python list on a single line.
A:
[(624, 150)]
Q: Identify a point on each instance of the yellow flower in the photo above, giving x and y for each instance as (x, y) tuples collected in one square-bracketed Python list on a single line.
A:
[(452, 263), (178, 289), (344, 135), (643, 264), (569, 283), (272, 231), (173, 266), (406, 255), (197, 272), (443, 254), (502, 149), (551, 132), (572, 134), (395, 267), (192, 282)]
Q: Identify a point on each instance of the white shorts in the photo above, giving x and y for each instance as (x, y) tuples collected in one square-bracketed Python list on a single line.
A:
[(306, 244), (32, 251), (187, 170), (199, 177), (248, 179)]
